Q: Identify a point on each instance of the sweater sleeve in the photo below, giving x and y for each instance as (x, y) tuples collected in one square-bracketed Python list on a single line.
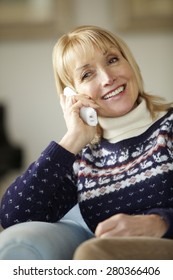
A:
[(46, 191), (167, 215)]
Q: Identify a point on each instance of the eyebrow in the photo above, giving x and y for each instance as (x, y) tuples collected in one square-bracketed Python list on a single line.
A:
[(87, 65), (82, 67)]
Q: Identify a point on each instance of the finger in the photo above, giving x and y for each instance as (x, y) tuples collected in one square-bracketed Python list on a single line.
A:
[(104, 227), (110, 223), (110, 233), (86, 101)]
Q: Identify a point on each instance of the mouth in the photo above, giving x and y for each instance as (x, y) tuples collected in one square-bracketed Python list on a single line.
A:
[(114, 93)]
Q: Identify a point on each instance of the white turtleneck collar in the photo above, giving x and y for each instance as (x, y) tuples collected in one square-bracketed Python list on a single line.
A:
[(132, 124)]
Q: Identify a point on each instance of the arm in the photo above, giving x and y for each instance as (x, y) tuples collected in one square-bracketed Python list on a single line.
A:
[(45, 192)]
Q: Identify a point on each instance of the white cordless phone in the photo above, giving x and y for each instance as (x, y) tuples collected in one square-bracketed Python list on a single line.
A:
[(88, 114)]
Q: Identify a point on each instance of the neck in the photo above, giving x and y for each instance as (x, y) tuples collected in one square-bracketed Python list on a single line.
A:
[(132, 124)]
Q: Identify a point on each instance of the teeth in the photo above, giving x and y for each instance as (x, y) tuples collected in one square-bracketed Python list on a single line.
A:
[(114, 93)]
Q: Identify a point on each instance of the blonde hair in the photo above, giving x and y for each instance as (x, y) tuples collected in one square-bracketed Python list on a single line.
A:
[(87, 38)]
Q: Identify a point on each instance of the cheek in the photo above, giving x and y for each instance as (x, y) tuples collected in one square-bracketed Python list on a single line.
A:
[(131, 77), (87, 89), (128, 72)]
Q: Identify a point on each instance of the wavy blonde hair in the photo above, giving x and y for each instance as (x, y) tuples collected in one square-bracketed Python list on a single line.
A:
[(87, 39)]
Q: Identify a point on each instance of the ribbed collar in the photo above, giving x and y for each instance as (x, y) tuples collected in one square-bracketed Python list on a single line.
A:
[(132, 124)]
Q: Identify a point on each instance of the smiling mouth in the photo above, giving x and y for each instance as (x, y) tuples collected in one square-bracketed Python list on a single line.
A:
[(114, 93)]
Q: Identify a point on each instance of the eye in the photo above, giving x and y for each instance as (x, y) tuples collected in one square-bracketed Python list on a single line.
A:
[(113, 59), (86, 75)]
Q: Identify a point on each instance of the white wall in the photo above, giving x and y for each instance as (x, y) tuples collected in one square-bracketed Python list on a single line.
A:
[(27, 87)]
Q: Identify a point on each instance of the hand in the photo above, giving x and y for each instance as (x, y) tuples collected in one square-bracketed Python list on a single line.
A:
[(127, 225), (79, 134)]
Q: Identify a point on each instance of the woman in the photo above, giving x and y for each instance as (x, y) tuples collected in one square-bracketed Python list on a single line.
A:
[(119, 172)]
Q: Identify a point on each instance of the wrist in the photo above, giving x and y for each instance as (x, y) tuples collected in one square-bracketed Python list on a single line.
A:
[(71, 143), (160, 225)]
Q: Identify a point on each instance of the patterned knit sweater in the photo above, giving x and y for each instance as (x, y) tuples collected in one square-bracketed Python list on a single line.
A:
[(132, 176)]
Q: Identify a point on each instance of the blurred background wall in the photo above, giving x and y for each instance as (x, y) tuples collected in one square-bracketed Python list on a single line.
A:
[(27, 89)]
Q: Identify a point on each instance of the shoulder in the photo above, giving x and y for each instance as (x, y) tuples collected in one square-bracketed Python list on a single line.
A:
[(165, 123), (166, 116)]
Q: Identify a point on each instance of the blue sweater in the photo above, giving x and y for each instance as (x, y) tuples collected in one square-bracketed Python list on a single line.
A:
[(132, 176)]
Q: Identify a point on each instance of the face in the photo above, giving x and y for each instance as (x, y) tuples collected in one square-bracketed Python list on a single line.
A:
[(109, 80)]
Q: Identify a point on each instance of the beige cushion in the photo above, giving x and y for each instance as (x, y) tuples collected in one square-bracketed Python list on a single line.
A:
[(125, 248)]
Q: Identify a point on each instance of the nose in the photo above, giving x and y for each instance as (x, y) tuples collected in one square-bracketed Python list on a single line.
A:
[(106, 77)]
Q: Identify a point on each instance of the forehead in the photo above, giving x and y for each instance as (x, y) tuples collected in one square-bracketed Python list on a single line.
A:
[(95, 55), (80, 55)]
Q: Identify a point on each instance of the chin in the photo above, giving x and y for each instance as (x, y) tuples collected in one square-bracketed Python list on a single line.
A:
[(116, 111)]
